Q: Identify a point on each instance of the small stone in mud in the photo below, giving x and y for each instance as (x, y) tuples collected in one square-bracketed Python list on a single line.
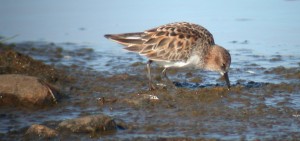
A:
[(121, 124), (40, 131), (89, 124), (140, 99), (252, 84), (103, 100), (26, 91)]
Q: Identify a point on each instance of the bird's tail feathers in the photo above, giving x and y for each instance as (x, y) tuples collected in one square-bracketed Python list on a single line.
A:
[(132, 41)]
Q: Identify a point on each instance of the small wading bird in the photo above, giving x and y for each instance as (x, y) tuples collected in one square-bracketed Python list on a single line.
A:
[(178, 45)]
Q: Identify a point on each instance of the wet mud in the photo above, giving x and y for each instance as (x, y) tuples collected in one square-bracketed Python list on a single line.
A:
[(192, 110), (13, 62)]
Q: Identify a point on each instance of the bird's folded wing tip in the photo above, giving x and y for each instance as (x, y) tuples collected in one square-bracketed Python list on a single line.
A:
[(107, 36)]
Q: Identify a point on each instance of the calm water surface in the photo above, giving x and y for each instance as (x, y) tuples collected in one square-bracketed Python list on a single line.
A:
[(254, 31)]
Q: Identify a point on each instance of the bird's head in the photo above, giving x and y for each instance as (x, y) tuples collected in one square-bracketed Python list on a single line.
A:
[(218, 59)]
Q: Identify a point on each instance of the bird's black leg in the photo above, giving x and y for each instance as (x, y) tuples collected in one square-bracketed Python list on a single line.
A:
[(151, 86), (164, 74)]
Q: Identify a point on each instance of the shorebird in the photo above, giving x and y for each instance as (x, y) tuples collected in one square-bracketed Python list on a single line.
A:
[(180, 44)]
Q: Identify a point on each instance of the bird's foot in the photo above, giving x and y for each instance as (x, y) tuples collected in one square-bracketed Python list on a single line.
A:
[(151, 87)]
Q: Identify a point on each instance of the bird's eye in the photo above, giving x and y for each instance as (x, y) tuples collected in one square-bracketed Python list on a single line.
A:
[(223, 66)]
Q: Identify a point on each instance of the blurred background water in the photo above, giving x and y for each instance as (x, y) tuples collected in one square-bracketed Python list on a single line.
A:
[(252, 30), (273, 22)]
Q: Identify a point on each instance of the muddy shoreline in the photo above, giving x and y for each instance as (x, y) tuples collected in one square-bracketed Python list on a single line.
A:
[(192, 111)]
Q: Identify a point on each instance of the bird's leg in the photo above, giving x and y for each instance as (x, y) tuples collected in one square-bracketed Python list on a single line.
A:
[(164, 74), (225, 75), (151, 86)]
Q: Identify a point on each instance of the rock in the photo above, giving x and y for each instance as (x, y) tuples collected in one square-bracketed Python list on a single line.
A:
[(21, 90), (122, 125), (89, 124), (140, 99), (13, 62), (40, 131)]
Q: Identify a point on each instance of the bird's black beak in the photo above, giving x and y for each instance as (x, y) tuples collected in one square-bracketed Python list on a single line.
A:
[(227, 80)]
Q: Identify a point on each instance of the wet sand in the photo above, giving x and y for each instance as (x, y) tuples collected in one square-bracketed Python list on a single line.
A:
[(196, 109)]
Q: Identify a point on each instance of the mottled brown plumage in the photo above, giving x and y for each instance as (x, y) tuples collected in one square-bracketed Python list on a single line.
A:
[(171, 42), (179, 44)]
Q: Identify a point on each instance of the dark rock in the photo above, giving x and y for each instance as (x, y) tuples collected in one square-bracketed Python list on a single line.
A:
[(21, 90), (89, 124), (40, 131), (252, 84)]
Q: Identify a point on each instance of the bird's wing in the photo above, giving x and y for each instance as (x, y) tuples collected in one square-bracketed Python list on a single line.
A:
[(171, 42)]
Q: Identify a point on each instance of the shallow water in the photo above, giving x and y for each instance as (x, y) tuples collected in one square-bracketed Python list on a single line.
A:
[(205, 109), (260, 35), (264, 33)]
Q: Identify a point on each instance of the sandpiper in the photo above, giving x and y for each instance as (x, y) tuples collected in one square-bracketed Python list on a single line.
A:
[(180, 44)]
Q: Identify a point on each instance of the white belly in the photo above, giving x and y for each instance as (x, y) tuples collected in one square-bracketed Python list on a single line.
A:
[(193, 61)]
